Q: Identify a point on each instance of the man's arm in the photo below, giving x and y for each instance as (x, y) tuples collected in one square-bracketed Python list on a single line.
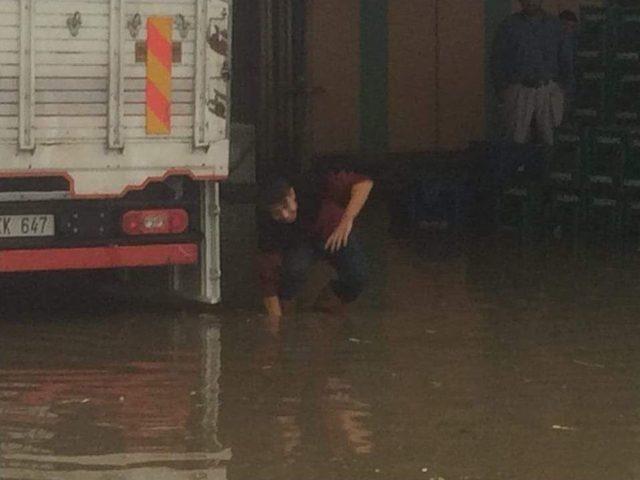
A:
[(268, 266), (359, 195)]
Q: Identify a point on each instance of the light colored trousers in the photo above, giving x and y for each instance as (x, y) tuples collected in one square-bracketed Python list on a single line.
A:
[(525, 107)]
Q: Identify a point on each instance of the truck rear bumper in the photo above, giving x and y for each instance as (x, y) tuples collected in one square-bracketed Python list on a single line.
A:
[(32, 260)]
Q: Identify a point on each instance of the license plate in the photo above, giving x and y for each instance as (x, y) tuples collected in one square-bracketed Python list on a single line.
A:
[(12, 226)]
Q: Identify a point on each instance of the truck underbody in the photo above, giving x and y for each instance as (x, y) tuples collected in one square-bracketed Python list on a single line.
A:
[(113, 134), (91, 233)]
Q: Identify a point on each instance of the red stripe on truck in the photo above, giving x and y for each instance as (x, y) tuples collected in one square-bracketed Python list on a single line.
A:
[(97, 257)]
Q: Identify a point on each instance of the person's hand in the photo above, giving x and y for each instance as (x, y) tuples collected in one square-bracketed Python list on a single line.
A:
[(340, 236)]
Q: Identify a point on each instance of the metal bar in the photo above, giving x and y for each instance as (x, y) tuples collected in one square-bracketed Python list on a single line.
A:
[(436, 47), (26, 138), (266, 117), (287, 68), (230, 26), (302, 103), (116, 73), (200, 138), (33, 196), (210, 273)]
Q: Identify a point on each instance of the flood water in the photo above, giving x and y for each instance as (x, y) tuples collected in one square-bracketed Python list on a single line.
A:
[(490, 361)]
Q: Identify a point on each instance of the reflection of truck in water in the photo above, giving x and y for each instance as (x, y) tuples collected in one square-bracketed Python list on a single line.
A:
[(134, 406), (113, 134)]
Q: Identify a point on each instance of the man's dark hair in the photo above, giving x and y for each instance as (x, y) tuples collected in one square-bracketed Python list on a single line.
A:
[(273, 192), (568, 16)]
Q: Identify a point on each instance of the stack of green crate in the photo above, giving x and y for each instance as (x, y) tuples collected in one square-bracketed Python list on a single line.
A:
[(594, 167), (565, 206), (603, 168), (593, 60), (625, 102), (521, 201), (625, 67)]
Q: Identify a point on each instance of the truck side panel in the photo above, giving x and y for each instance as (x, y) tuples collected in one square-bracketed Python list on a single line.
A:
[(77, 61)]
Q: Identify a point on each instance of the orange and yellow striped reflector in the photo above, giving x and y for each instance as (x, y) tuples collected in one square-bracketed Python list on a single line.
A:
[(159, 58)]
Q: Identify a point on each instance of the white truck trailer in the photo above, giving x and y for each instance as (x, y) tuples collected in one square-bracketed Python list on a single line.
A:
[(113, 136)]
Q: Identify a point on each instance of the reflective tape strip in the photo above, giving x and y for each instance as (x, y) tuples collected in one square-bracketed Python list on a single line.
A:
[(159, 58)]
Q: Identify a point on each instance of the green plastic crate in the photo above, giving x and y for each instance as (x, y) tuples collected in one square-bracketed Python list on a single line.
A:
[(595, 27), (625, 37), (592, 98), (566, 212), (625, 98), (602, 217), (589, 58), (565, 159), (604, 163), (520, 209)]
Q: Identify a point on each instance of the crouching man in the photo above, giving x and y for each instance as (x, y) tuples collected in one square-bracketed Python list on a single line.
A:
[(303, 222)]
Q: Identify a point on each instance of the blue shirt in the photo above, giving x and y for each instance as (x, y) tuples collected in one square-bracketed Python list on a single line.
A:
[(532, 49)]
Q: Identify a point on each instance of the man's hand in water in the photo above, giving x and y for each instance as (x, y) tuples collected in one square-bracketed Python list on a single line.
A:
[(340, 236)]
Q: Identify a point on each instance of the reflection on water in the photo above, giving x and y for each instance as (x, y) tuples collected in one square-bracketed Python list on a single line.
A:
[(308, 419), (485, 363), (136, 398), (492, 363)]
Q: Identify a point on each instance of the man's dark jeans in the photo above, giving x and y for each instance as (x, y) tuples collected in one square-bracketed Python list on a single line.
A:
[(350, 264)]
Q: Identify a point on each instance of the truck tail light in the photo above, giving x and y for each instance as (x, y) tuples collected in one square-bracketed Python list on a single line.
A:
[(154, 222)]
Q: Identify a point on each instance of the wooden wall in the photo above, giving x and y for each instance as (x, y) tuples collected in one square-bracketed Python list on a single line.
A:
[(438, 96), (333, 71), (412, 71)]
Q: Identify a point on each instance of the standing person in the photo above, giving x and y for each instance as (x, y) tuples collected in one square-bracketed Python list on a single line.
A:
[(302, 222), (532, 68)]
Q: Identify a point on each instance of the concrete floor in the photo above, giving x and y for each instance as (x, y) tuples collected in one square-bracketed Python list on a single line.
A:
[(478, 359)]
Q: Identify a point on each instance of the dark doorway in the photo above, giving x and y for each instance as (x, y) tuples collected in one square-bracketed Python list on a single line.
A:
[(283, 89), (245, 65)]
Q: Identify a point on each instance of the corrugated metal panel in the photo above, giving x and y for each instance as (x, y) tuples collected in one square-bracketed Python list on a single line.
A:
[(9, 72), (70, 96), (9, 7), (182, 71), (71, 71)]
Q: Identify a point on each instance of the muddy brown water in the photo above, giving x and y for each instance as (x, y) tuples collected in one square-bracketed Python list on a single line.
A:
[(488, 362)]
